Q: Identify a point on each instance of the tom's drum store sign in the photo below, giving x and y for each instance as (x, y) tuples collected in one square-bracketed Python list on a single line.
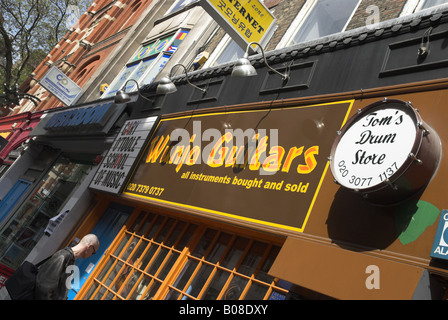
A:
[(263, 167), (385, 152), (121, 157)]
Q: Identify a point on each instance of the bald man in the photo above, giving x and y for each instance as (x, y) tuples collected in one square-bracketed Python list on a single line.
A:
[(52, 276)]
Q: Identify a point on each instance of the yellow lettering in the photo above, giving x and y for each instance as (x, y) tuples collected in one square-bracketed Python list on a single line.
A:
[(262, 145), (231, 159), (292, 154), (310, 160), (220, 151), (273, 162), (194, 155), (156, 150), (176, 155)]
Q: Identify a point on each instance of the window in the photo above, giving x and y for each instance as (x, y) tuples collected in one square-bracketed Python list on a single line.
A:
[(226, 51), (21, 233), (163, 258), (231, 53), (28, 105), (319, 18), (413, 6), (146, 63), (431, 3), (179, 5)]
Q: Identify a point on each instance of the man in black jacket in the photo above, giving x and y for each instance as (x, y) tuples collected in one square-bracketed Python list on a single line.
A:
[(52, 276)]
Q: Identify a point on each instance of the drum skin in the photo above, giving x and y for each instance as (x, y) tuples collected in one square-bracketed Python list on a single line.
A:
[(413, 175)]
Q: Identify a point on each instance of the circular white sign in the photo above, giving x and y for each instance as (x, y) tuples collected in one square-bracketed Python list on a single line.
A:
[(373, 148)]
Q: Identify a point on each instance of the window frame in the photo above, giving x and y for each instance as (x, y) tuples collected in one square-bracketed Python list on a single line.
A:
[(219, 51), (172, 9), (414, 6), (300, 19)]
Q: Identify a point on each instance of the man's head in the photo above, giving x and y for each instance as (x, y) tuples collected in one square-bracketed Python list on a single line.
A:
[(88, 246)]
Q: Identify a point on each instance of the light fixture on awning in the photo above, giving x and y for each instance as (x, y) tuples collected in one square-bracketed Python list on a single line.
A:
[(166, 86), (122, 97), (243, 67)]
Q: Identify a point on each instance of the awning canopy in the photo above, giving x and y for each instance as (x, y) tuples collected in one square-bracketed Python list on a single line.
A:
[(344, 274)]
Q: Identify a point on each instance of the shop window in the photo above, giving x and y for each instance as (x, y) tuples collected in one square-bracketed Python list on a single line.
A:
[(413, 6), (319, 18), (27, 225), (146, 63), (163, 258)]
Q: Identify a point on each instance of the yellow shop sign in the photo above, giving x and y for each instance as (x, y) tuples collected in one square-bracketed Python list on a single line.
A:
[(244, 20)]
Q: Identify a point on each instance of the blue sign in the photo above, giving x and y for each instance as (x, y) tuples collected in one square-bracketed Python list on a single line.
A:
[(440, 244), (80, 117)]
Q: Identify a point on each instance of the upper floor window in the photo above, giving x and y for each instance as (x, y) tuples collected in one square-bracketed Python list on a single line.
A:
[(179, 5), (319, 18), (231, 52), (413, 6), (146, 63), (431, 3), (226, 51)]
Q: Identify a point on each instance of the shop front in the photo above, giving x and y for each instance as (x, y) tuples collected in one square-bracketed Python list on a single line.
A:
[(22, 231), (328, 184), (162, 253), (243, 202), (46, 189), (232, 184)]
